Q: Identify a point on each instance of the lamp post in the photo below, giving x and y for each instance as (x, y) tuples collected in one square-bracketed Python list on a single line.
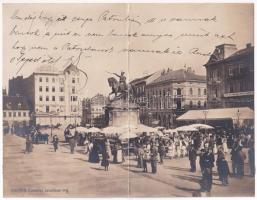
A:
[(51, 124), (238, 114), (205, 112), (149, 118)]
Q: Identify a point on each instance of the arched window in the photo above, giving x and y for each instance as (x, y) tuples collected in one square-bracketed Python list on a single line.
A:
[(178, 91), (199, 92), (204, 91)]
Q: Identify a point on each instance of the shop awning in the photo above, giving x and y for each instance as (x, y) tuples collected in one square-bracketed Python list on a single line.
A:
[(241, 113)]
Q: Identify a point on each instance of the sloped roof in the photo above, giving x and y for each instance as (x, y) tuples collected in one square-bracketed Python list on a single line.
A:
[(218, 114), (14, 103), (140, 79), (242, 52), (180, 75), (46, 69), (71, 67)]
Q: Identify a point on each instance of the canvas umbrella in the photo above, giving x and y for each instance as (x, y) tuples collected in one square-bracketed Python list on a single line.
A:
[(127, 135), (186, 129), (143, 128), (201, 126), (113, 130), (81, 129), (169, 131), (93, 130)]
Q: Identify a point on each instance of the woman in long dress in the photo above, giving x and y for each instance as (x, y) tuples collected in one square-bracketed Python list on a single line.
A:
[(224, 144), (120, 158), (108, 148), (105, 160), (170, 153), (93, 154)]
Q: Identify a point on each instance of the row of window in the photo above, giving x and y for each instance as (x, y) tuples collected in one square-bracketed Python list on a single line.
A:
[(167, 103), (199, 105), (15, 114), (240, 86), (140, 90), (73, 109), (178, 91), (61, 89), (96, 109), (55, 79), (61, 98)]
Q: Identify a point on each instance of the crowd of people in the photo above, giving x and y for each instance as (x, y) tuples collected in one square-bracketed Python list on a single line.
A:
[(213, 147), (203, 144)]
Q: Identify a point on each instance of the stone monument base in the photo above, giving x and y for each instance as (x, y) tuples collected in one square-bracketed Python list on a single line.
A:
[(122, 113)]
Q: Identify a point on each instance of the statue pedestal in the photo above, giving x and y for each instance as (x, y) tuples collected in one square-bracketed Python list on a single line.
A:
[(122, 113)]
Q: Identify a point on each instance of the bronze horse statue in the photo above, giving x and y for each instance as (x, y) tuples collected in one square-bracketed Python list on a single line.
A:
[(124, 90)]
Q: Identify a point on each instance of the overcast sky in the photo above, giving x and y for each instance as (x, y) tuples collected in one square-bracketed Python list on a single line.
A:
[(235, 20)]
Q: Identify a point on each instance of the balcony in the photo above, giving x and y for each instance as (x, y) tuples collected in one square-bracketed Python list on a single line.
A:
[(237, 94), (213, 81)]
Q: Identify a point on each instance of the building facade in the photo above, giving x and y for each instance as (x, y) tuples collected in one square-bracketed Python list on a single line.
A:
[(94, 111), (139, 85), (230, 77), (172, 94), (52, 96), (15, 112)]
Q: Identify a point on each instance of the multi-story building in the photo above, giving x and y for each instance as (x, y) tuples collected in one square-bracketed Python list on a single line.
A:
[(94, 111), (15, 112), (172, 94), (230, 77), (52, 96), (139, 85), (86, 112)]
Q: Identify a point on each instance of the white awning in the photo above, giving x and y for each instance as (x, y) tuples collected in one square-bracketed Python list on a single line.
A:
[(241, 113)]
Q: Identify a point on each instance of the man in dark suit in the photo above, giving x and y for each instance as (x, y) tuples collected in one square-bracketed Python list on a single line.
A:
[(208, 164), (192, 157)]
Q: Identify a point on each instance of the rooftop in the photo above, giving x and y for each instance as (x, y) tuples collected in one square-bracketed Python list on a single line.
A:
[(140, 79), (14, 103), (180, 75), (46, 69), (216, 56)]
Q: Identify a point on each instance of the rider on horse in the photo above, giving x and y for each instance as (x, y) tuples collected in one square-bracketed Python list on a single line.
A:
[(123, 84)]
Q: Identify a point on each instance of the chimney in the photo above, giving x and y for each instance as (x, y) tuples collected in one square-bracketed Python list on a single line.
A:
[(248, 45), (226, 50)]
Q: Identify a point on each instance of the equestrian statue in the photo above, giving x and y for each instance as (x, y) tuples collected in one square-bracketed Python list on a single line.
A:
[(120, 88)]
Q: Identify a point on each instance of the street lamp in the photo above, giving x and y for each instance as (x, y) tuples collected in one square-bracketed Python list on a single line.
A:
[(149, 118), (51, 124), (238, 114), (205, 112)]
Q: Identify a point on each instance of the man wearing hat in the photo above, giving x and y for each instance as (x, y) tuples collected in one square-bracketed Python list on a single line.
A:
[(154, 155), (192, 157), (144, 158), (208, 164)]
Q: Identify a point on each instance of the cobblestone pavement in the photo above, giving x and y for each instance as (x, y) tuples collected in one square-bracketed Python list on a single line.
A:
[(47, 173)]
